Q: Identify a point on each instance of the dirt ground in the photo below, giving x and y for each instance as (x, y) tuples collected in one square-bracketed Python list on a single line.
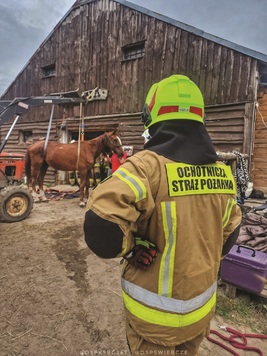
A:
[(56, 297)]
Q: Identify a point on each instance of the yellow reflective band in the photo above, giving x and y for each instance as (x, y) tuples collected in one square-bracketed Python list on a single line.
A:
[(168, 210), (186, 179), (164, 318), (133, 182), (229, 207)]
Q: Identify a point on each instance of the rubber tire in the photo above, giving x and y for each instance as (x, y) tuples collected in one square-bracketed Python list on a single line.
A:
[(22, 197)]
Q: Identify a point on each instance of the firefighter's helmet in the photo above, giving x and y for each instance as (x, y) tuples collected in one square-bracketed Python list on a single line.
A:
[(173, 98)]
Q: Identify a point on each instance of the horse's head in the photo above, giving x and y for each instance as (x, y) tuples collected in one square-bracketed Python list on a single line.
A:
[(113, 143)]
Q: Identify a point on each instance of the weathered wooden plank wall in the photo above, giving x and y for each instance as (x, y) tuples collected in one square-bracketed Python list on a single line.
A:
[(259, 166), (130, 128), (230, 127), (86, 49), (226, 125)]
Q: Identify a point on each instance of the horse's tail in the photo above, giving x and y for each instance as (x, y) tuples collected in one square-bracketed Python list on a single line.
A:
[(28, 167), (43, 150)]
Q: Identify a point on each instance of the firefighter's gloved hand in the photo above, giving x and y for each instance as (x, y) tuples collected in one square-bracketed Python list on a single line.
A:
[(142, 255)]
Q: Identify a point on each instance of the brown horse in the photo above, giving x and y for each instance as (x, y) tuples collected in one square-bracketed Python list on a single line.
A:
[(68, 157)]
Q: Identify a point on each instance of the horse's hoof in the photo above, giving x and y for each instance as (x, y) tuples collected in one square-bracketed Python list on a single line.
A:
[(44, 201), (82, 204)]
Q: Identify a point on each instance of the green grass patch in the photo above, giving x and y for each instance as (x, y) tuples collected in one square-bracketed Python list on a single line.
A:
[(250, 311)]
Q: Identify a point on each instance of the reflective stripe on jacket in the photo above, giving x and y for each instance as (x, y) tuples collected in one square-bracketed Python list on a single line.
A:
[(188, 212)]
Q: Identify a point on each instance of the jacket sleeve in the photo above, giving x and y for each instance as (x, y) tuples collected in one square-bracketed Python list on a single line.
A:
[(231, 241), (232, 227), (117, 208)]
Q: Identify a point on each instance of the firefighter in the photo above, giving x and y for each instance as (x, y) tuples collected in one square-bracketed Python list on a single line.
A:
[(170, 211)]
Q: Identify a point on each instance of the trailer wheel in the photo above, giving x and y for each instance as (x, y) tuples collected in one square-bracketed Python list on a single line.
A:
[(16, 204)]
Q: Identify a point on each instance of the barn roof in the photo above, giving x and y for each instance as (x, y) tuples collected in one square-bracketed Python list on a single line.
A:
[(223, 42), (249, 52), (244, 50)]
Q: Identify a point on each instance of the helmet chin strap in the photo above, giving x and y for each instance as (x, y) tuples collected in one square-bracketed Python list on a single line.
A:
[(146, 135), (146, 116)]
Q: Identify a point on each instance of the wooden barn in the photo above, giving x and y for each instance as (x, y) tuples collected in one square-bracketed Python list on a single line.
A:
[(125, 48)]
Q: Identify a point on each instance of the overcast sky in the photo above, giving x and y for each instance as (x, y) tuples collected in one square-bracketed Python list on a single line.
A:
[(24, 24)]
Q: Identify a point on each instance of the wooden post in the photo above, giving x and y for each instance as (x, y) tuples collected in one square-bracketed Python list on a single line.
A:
[(230, 291)]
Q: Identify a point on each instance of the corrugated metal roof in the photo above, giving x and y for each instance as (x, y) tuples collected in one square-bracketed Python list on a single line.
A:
[(247, 51)]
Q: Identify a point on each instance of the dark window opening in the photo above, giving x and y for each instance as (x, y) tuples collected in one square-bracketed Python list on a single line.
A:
[(25, 136), (263, 79), (10, 171), (49, 71), (133, 51)]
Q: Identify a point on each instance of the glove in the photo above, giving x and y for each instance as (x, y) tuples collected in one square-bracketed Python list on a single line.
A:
[(142, 255)]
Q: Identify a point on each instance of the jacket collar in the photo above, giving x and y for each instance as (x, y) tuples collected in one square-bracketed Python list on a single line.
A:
[(184, 141)]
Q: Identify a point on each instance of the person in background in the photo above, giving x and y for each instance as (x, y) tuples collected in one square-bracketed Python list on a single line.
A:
[(171, 213), (107, 160), (115, 161)]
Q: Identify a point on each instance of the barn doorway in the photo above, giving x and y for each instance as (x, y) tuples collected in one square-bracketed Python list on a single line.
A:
[(73, 177), (87, 135)]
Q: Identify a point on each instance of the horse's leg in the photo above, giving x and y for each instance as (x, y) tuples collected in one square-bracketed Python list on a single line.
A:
[(41, 176), (83, 175), (28, 170), (87, 184), (29, 183), (34, 177), (33, 171)]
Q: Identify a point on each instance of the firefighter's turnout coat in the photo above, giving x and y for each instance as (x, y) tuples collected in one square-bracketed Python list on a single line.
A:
[(188, 211)]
